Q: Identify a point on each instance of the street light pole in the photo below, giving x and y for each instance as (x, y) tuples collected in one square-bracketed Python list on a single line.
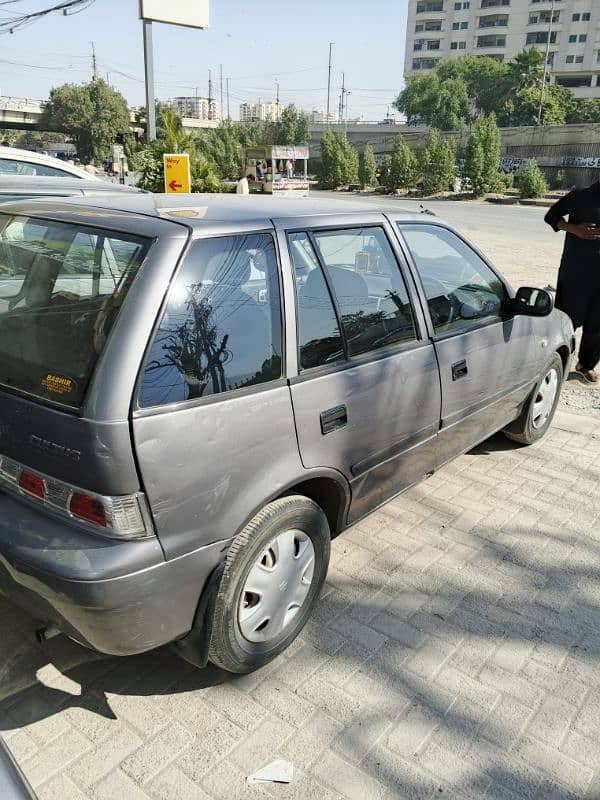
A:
[(149, 68), (543, 88)]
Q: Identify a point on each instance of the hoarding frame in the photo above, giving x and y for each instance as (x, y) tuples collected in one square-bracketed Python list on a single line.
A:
[(150, 12)]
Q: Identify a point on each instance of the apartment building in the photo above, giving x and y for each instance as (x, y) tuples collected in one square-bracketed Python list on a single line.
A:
[(258, 112), (569, 29), (196, 107)]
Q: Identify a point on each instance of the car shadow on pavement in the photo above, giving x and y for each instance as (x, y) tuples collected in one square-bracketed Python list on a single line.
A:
[(495, 444)]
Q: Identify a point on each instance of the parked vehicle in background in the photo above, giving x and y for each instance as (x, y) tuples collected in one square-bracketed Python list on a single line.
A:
[(16, 162), (198, 393), (22, 186), (13, 784)]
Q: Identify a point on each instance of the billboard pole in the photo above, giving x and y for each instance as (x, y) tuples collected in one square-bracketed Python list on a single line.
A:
[(149, 67)]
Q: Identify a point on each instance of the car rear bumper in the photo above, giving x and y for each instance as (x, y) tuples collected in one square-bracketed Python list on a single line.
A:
[(119, 598)]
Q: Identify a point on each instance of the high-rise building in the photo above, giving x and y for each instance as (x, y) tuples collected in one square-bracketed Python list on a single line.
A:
[(442, 29), (196, 107), (258, 112), (320, 117)]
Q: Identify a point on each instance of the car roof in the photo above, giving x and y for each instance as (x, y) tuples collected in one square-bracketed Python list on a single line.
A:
[(17, 154), (201, 210)]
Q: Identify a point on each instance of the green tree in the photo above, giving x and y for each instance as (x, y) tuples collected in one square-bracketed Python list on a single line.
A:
[(430, 100), (292, 127), (339, 161), (174, 139), (531, 181), (38, 140), (368, 168), (482, 156), (448, 96), (587, 110), (93, 115), (523, 93), (404, 171), (437, 161), (483, 76)]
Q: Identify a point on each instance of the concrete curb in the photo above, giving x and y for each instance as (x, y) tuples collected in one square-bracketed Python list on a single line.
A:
[(537, 202)]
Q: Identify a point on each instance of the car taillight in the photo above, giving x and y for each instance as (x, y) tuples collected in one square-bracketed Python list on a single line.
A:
[(122, 517), (87, 508), (32, 484)]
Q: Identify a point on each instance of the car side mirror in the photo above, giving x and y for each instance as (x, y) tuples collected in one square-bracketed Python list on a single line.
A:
[(532, 302)]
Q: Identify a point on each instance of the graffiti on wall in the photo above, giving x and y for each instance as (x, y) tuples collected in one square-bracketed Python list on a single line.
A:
[(588, 162), (511, 163)]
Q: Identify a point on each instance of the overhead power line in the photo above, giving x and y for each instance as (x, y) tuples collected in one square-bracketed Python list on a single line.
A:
[(12, 24)]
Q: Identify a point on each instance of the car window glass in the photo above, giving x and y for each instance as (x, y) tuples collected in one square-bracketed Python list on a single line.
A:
[(461, 289), (221, 328), (370, 294), (61, 290), (319, 338), (14, 167)]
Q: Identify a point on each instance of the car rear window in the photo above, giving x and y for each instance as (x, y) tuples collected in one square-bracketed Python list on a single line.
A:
[(61, 289)]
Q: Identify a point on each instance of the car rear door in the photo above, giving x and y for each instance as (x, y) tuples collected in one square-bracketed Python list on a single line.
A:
[(488, 361), (212, 423), (366, 393)]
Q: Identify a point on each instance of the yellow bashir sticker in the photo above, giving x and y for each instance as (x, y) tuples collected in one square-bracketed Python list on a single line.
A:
[(57, 384)]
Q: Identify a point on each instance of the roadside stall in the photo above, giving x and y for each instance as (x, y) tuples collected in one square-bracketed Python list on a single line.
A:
[(277, 169)]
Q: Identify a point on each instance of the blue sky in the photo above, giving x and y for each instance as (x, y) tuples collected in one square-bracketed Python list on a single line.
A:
[(255, 42)]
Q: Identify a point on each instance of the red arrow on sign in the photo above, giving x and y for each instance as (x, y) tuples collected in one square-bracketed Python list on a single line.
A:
[(173, 186)]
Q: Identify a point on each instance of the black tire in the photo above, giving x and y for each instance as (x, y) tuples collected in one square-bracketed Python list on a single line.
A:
[(229, 648), (523, 429)]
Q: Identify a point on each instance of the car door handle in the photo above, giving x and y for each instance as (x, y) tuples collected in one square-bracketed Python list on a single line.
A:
[(333, 418), (459, 370)]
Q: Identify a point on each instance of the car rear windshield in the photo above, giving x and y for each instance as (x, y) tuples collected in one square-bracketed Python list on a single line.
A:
[(61, 289)]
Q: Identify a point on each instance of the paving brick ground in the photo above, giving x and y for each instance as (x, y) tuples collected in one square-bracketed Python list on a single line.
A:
[(455, 653)]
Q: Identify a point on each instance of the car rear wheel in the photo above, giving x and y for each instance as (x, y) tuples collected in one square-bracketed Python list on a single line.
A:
[(273, 575), (537, 415)]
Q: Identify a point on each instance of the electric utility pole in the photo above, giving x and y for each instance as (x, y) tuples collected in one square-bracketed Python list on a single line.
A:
[(329, 84), (546, 56), (221, 82)]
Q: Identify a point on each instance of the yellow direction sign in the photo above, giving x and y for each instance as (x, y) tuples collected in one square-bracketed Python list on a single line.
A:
[(177, 173)]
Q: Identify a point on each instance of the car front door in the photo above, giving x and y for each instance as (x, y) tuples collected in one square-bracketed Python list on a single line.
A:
[(366, 396), (488, 360)]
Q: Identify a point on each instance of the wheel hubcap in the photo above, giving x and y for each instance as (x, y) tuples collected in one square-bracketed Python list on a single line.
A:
[(544, 400), (276, 586)]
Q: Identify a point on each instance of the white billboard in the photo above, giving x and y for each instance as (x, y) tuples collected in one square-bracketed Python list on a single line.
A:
[(191, 13)]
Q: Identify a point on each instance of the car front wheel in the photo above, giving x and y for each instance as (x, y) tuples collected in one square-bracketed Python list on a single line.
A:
[(538, 413), (273, 575)]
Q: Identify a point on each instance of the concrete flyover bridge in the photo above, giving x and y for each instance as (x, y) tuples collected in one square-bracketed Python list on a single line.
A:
[(18, 113)]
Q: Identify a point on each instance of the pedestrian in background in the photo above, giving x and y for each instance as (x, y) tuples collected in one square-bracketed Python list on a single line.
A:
[(578, 286)]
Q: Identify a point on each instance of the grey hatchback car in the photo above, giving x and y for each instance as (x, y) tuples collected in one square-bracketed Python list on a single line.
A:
[(198, 393)]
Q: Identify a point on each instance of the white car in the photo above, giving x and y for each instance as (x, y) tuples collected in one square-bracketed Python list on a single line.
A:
[(17, 162)]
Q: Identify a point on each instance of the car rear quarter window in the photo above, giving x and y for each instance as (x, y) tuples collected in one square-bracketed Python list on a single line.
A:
[(221, 329), (61, 289)]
